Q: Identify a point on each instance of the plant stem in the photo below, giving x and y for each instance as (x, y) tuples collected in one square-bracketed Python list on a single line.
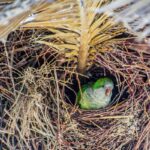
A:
[(84, 43)]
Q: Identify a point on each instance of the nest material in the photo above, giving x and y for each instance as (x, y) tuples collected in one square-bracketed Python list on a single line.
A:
[(35, 114), (123, 125), (34, 77)]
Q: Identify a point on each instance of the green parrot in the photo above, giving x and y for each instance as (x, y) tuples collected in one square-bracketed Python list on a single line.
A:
[(95, 95)]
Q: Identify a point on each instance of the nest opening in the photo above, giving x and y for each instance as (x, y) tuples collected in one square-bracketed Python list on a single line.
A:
[(91, 76)]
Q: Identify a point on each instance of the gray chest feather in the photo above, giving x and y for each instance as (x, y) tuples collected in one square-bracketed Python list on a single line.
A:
[(96, 98)]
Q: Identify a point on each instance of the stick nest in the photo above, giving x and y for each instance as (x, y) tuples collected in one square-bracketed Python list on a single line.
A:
[(35, 114)]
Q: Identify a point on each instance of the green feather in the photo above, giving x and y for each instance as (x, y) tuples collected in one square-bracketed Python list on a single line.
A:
[(92, 95), (84, 87), (101, 82)]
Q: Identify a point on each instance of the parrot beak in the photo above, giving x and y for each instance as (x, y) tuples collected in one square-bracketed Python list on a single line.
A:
[(108, 91)]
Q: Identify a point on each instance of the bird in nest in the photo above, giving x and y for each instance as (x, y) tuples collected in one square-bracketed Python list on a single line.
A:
[(95, 95)]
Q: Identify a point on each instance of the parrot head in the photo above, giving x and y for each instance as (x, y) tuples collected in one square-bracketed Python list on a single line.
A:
[(105, 83), (96, 95)]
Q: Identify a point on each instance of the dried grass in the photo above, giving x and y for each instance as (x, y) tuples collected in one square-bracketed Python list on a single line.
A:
[(33, 80), (37, 115)]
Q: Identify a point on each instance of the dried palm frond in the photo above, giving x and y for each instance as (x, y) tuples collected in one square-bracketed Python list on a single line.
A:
[(77, 32), (13, 12), (134, 14), (5, 2)]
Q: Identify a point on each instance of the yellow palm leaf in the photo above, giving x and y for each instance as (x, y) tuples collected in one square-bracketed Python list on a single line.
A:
[(77, 28)]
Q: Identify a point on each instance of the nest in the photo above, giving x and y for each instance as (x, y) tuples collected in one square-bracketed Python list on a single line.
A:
[(41, 71), (35, 110)]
